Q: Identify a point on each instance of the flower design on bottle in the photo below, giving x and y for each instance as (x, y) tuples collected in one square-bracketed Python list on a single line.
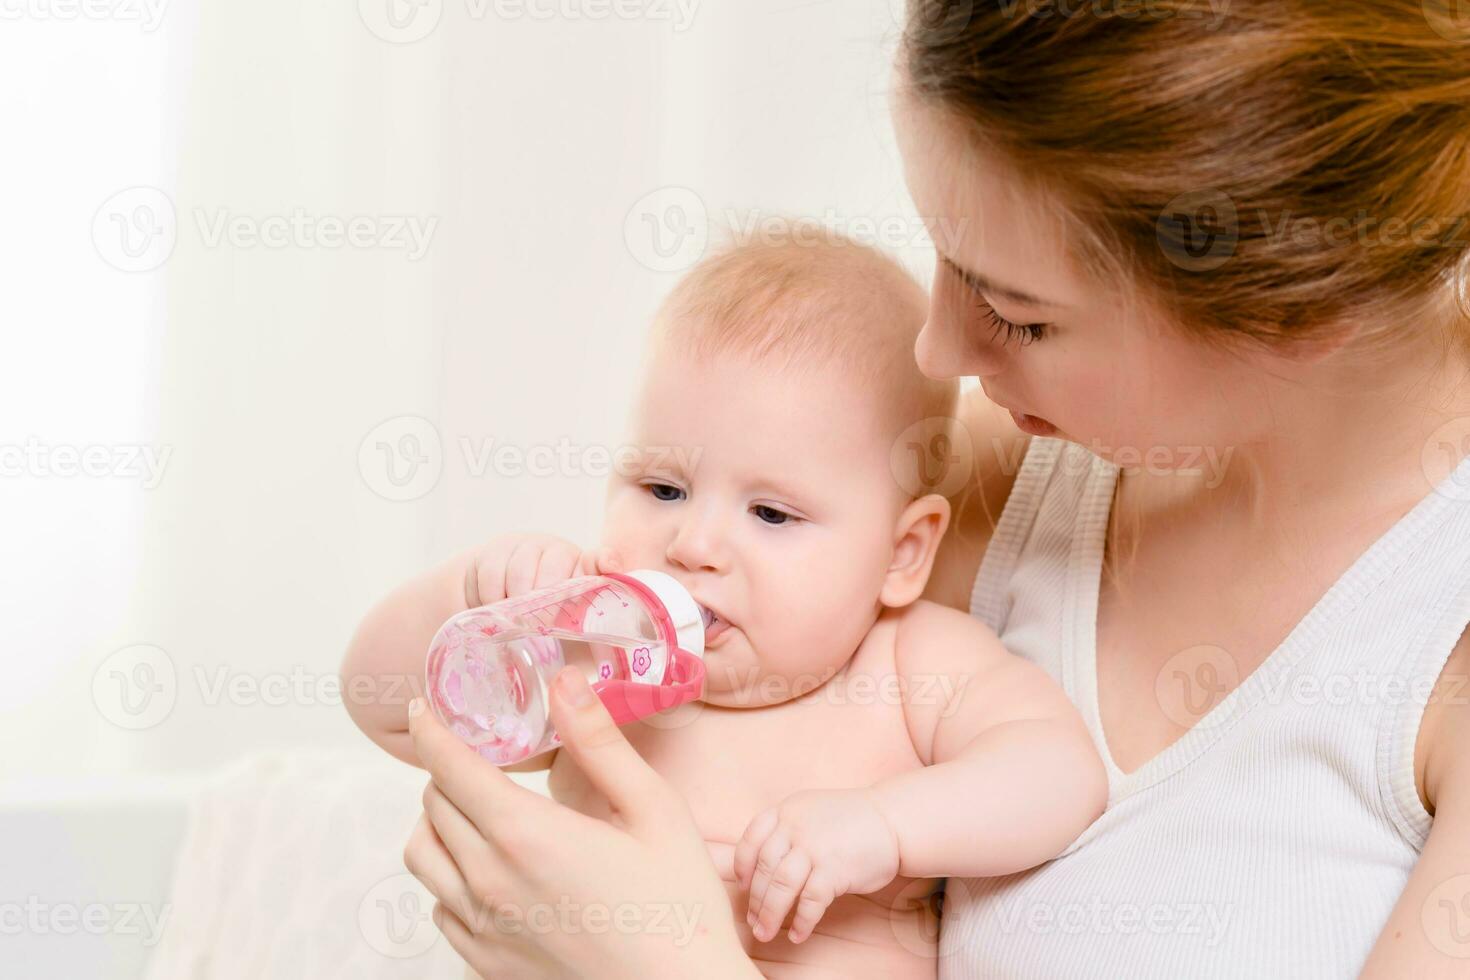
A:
[(604, 670), (641, 661), (545, 648)]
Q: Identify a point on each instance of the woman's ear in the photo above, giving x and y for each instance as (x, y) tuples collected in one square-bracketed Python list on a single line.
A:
[(917, 533)]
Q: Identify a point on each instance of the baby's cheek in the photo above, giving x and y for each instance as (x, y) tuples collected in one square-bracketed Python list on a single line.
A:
[(804, 660)]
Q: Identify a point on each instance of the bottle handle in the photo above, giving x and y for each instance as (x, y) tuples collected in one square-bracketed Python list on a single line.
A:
[(683, 678), (627, 701)]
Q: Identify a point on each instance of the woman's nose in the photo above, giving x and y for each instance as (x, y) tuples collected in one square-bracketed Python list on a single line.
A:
[(942, 352), (699, 543)]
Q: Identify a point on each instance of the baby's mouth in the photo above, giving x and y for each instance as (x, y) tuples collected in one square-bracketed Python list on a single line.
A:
[(713, 624)]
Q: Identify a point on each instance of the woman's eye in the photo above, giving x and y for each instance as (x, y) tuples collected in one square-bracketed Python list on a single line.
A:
[(1027, 332), (772, 516), (657, 490)]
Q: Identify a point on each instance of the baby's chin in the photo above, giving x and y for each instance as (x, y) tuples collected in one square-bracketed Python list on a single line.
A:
[(742, 682)]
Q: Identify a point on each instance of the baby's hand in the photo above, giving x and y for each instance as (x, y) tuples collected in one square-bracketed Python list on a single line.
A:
[(817, 844), (513, 564)]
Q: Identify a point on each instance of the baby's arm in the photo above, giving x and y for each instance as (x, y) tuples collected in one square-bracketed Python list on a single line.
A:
[(384, 665), (1011, 774), (1011, 777)]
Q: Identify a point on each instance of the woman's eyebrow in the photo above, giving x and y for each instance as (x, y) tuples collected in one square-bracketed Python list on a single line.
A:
[(990, 287)]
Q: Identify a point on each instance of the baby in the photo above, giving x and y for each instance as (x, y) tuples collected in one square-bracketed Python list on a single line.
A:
[(855, 742)]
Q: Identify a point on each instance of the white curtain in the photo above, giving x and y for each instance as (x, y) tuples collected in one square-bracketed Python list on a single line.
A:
[(299, 297), (366, 282)]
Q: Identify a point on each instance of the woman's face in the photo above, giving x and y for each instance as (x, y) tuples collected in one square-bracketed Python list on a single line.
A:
[(1113, 376)]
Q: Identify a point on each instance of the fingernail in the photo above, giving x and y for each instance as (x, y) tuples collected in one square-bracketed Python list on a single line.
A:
[(574, 688), (415, 707)]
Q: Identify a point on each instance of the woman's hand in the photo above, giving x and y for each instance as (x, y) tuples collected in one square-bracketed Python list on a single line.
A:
[(529, 888)]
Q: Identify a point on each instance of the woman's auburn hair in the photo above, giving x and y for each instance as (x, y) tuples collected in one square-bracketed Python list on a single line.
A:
[(1261, 174)]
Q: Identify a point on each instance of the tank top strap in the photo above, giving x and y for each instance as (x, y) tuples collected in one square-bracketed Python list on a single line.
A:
[(1440, 579), (1039, 516)]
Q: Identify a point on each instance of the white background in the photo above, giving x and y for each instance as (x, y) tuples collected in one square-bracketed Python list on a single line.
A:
[(166, 629)]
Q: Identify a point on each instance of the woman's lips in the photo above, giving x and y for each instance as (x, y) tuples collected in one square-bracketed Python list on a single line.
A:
[(1032, 425)]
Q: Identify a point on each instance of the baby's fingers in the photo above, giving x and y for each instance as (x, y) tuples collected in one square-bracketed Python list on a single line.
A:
[(749, 845), (766, 863), (787, 881), (599, 561), (816, 897)]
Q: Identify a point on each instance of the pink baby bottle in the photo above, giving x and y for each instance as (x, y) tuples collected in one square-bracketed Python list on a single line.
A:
[(639, 637)]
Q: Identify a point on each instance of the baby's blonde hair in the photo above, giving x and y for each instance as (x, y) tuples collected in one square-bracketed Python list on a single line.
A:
[(829, 303)]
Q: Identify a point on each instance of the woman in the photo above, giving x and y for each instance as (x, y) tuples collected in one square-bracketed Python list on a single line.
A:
[(1216, 271)]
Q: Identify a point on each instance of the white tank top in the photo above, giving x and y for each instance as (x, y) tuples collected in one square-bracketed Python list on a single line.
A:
[(1274, 837)]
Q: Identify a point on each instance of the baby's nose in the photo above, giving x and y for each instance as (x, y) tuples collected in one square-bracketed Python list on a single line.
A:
[(699, 544)]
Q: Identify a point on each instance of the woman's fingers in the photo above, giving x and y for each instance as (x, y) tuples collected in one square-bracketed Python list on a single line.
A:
[(456, 831), (427, 859), (484, 794), (602, 753), (459, 935)]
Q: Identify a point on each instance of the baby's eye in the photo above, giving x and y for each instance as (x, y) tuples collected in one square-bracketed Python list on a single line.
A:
[(777, 517), (657, 488)]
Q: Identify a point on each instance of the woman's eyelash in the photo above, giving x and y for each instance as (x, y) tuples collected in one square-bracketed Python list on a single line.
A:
[(1027, 332), (788, 518)]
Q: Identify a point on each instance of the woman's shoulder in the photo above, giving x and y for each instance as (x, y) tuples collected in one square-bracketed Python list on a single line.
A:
[(990, 448)]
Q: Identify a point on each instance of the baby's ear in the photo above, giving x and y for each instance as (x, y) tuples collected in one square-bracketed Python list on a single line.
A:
[(917, 533)]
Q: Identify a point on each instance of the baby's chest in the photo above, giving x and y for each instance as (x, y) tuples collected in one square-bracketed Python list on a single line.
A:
[(730, 764)]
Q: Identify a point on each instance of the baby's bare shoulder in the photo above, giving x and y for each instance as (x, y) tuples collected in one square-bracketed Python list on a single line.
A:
[(929, 634), (935, 641)]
